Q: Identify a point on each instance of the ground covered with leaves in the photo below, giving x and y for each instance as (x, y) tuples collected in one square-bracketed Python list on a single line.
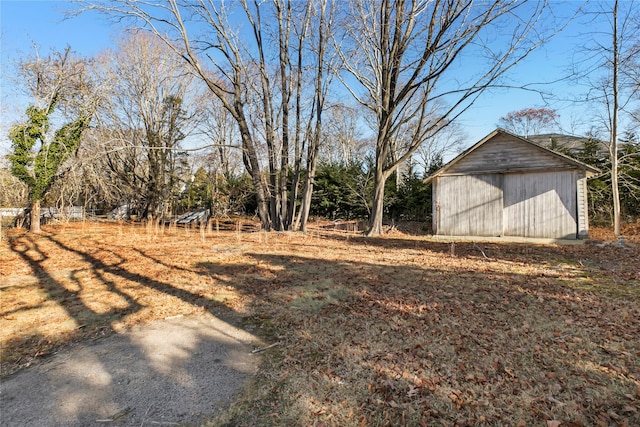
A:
[(397, 330)]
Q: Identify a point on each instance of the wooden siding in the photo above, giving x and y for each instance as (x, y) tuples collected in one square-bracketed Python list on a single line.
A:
[(582, 205), (468, 205), (540, 205), (507, 186), (504, 153)]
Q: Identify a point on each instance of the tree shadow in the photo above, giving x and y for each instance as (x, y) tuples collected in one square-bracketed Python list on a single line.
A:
[(66, 298), (176, 370), (393, 338), (410, 242), (536, 252), (400, 339), (211, 306)]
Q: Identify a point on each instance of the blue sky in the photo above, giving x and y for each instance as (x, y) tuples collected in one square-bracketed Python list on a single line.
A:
[(42, 22), (24, 23)]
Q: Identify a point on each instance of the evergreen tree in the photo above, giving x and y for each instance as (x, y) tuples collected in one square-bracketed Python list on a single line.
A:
[(342, 191), (198, 194)]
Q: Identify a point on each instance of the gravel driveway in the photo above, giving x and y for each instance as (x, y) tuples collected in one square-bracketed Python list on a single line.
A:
[(163, 373)]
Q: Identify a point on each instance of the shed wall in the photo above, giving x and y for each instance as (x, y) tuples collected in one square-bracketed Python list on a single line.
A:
[(583, 206), (468, 205), (540, 204)]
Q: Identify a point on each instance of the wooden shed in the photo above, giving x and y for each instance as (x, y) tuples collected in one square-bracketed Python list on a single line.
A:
[(506, 185)]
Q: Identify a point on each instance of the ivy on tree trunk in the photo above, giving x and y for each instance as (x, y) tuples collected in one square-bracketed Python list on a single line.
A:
[(36, 160)]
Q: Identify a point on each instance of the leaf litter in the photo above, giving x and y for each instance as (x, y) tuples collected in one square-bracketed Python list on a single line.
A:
[(397, 330)]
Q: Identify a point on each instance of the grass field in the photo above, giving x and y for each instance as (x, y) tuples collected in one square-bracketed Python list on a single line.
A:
[(397, 330)]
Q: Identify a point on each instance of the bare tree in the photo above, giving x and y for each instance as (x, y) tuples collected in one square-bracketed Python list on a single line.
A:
[(216, 44), (91, 182), (614, 110), (529, 121), (323, 70), (217, 125), (406, 59), (223, 159), (344, 129), (63, 89), (607, 68), (260, 77), (430, 156), (13, 192), (151, 109)]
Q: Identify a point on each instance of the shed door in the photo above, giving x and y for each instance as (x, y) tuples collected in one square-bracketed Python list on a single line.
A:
[(540, 205), (469, 205)]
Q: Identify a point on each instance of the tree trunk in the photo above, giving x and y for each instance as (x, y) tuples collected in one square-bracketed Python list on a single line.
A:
[(306, 204), (308, 192), (261, 201), (616, 196), (250, 159), (377, 210), (35, 217), (295, 188), (614, 128), (286, 95)]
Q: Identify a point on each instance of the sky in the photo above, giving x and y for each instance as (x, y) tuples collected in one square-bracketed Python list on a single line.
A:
[(25, 23)]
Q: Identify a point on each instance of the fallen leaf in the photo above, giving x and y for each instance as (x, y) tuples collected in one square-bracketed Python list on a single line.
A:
[(614, 416), (554, 400), (412, 391)]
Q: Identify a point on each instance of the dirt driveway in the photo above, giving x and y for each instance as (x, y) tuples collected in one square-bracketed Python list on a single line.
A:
[(165, 372)]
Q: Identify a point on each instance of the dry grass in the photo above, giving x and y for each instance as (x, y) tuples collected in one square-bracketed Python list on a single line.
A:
[(390, 331)]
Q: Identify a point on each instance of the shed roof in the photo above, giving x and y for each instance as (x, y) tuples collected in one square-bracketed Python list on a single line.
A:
[(559, 157)]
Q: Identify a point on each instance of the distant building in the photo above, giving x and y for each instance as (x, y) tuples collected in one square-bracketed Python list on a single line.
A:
[(568, 144)]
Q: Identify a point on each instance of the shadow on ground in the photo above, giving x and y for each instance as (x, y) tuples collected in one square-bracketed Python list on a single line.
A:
[(175, 370)]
